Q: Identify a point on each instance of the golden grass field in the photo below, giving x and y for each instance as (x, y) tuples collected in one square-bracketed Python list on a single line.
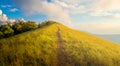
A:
[(41, 47)]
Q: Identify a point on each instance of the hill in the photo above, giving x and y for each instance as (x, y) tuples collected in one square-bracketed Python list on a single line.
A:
[(58, 45)]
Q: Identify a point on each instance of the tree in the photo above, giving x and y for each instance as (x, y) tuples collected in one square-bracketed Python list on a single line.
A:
[(42, 24), (20, 27), (45, 23), (17, 27), (27, 26), (6, 30)]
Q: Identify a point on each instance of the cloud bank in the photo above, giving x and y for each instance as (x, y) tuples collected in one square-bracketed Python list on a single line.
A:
[(4, 19), (60, 10), (99, 28), (91, 7), (53, 11)]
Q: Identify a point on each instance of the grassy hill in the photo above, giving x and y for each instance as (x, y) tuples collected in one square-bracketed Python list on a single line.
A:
[(57, 45)]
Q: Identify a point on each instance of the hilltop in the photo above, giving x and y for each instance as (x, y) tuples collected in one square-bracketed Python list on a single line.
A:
[(58, 45)]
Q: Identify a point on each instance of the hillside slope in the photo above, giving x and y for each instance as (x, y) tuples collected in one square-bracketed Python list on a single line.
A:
[(57, 45)]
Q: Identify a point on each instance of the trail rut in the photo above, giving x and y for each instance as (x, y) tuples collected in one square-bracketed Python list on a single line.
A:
[(62, 56)]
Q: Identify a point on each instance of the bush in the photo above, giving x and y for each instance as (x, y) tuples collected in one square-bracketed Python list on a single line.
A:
[(6, 30), (41, 25), (45, 23), (27, 26), (17, 27), (20, 27)]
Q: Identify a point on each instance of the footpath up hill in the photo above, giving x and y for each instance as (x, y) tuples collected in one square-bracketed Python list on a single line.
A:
[(58, 45)]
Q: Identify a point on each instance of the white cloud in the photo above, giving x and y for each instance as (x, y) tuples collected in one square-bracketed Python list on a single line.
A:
[(60, 10), (105, 8), (5, 6), (4, 19), (92, 7), (70, 7), (13, 9), (22, 19), (0, 12), (117, 15), (107, 5), (99, 27), (11, 20), (53, 11)]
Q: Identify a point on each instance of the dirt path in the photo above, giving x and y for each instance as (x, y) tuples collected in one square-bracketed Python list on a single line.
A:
[(62, 56)]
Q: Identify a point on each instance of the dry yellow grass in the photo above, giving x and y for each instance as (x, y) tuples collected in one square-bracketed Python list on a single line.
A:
[(39, 48)]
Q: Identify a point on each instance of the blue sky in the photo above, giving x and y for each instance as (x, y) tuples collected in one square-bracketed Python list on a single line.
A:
[(93, 16), (7, 5)]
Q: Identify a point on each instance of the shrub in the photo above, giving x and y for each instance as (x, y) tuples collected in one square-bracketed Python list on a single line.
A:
[(17, 27), (45, 23), (20, 27), (29, 26), (6, 30)]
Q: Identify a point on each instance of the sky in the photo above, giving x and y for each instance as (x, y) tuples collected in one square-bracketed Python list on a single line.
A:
[(93, 16)]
